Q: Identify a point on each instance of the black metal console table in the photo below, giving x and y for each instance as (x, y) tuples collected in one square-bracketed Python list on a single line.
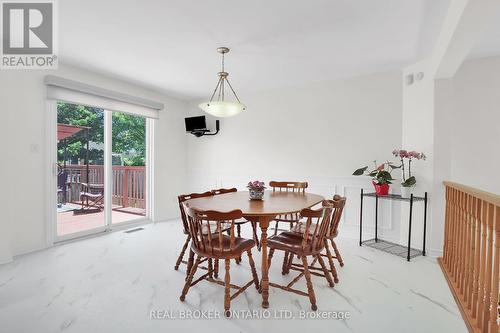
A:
[(386, 246)]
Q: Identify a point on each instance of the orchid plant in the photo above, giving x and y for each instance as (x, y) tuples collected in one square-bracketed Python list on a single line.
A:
[(408, 156), (256, 185)]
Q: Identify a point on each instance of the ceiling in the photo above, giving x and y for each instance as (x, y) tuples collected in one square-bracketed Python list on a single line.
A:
[(170, 45)]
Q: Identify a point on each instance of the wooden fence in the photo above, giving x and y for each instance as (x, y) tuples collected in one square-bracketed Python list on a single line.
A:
[(471, 257), (129, 183)]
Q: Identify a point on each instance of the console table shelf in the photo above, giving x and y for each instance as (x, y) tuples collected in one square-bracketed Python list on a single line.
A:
[(394, 197), (386, 246)]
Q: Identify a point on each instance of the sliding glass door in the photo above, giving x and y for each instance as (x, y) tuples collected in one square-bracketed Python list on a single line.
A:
[(101, 169), (80, 174), (129, 167)]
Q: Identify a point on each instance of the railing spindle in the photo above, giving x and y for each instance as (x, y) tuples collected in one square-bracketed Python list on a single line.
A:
[(489, 262), (477, 242), (482, 284), (495, 276)]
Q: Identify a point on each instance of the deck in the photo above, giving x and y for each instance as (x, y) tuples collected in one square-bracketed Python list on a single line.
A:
[(69, 223), (128, 195)]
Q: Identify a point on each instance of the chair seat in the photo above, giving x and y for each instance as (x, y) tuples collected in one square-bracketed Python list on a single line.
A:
[(287, 241), (300, 228), (240, 245)]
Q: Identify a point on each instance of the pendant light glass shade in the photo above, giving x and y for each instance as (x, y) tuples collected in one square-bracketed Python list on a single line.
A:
[(218, 107), (221, 108)]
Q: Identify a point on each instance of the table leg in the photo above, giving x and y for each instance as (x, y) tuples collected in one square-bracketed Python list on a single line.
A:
[(264, 282)]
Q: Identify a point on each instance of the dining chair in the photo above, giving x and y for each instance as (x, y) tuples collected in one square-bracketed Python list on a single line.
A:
[(296, 187), (309, 244), (181, 199), (338, 204), (241, 222), (218, 246)]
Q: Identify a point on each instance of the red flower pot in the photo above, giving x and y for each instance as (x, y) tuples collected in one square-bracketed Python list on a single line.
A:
[(381, 189)]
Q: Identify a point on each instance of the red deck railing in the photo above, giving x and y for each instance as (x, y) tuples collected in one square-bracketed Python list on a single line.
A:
[(129, 183)]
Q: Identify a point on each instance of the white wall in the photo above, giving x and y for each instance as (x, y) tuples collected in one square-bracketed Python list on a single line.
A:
[(418, 135), (5, 252), (426, 103), (475, 124), (23, 99), (443, 104), (466, 128), (318, 133)]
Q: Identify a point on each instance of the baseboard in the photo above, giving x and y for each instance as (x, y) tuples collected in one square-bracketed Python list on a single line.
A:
[(173, 219), (27, 252), (435, 253)]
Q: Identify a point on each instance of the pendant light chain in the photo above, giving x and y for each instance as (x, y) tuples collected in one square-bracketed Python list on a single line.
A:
[(223, 78), (220, 87), (223, 62)]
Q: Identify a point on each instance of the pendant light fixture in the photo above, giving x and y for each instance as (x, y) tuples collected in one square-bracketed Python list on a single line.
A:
[(219, 107)]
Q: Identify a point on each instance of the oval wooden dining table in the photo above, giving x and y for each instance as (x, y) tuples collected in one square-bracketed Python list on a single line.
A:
[(261, 212)]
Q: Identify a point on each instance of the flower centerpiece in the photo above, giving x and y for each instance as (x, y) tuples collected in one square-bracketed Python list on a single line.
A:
[(256, 190), (409, 181), (381, 176)]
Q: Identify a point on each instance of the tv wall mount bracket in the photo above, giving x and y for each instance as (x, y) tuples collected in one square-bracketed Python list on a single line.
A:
[(202, 132)]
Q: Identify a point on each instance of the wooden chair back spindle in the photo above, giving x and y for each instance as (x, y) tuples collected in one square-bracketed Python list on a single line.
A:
[(183, 198), (294, 187), (299, 187), (313, 240)]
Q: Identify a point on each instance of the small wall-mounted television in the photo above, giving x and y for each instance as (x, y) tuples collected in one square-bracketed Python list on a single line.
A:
[(195, 123)]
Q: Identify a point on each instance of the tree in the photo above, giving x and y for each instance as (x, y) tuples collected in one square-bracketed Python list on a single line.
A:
[(129, 137), (128, 134)]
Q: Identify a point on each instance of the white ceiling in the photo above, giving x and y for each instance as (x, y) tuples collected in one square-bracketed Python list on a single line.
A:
[(170, 45)]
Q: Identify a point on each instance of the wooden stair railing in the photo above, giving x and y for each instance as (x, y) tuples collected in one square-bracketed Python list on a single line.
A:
[(471, 256)]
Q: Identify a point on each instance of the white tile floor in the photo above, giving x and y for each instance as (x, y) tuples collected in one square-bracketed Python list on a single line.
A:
[(112, 283)]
